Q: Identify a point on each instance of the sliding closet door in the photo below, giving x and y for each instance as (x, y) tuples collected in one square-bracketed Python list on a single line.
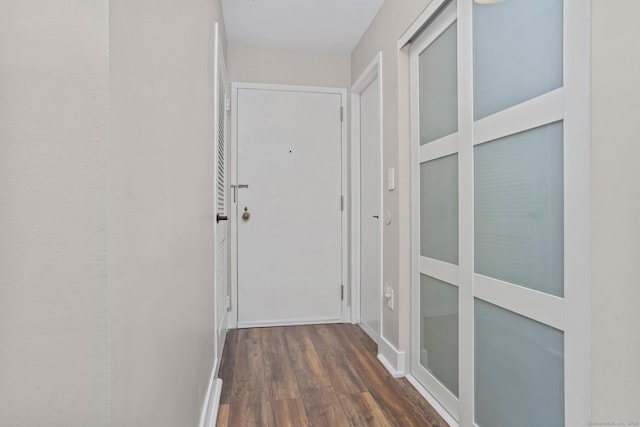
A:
[(436, 298), (498, 173)]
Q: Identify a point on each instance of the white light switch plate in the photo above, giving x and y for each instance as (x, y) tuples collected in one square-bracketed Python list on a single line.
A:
[(391, 179)]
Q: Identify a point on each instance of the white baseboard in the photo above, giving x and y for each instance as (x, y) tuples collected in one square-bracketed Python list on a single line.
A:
[(432, 401), (296, 322), (367, 330), (222, 335), (209, 414), (392, 359)]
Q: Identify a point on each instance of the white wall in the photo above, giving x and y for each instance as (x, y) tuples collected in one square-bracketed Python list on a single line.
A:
[(616, 211), (53, 274), (161, 217), (394, 18), (290, 67)]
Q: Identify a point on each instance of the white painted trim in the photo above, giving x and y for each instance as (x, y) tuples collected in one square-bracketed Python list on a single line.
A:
[(235, 86), (577, 222), (373, 71), (440, 270), (369, 74), (539, 306), (209, 413), (432, 401), (221, 338), (445, 146), (287, 322), (544, 109), (370, 332), (422, 21), (233, 163), (392, 359), (466, 330)]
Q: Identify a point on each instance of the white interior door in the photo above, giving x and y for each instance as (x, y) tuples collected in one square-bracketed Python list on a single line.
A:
[(370, 215), (221, 197), (289, 145)]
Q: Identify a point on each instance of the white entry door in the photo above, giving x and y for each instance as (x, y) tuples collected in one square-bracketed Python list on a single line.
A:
[(370, 211), (289, 218)]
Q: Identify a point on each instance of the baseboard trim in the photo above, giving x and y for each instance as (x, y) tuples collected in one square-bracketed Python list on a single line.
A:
[(297, 322), (432, 401), (392, 359), (209, 414), (222, 338), (369, 331)]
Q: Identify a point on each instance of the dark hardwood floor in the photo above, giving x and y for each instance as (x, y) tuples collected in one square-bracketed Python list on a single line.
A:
[(318, 375)]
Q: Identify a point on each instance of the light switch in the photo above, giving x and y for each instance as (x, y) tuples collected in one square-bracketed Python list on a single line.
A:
[(391, 179)]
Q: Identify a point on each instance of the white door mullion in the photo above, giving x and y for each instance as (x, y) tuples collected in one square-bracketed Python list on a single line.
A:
[(465, 209), (439, 270), (577, 178), (442, 147), (545, 109), (536, 305)]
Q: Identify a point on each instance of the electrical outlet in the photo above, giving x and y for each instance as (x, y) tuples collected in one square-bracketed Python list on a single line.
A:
[(388, 294)]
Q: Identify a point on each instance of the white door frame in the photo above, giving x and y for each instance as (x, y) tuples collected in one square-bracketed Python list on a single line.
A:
[(373, 71), (233, 312)]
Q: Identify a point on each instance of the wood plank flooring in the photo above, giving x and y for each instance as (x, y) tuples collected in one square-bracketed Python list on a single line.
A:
[(317, 375)]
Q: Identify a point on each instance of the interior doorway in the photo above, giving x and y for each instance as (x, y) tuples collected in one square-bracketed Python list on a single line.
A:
[(367, 199)]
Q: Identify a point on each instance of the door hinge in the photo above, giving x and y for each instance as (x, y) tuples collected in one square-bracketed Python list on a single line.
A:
[(342, 114), (341, 292), (227, 104), (341, 203)]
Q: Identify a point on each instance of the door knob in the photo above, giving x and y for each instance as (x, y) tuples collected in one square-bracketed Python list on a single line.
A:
[(246, 215), (221, 217), (376, 216)]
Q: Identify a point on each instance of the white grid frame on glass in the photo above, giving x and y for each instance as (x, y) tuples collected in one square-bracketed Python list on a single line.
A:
[(433, 150), (569, 104)]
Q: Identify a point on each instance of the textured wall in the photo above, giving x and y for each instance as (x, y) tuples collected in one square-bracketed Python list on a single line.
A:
[(161, 219), (291, 67), (53, 274)]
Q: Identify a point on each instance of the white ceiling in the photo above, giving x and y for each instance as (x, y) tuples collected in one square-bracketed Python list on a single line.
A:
[(317, 25)]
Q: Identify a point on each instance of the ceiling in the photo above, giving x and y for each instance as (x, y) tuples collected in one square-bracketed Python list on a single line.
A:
[(316, 25)]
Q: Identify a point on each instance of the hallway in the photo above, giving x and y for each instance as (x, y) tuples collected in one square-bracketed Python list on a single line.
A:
[(317, 375)]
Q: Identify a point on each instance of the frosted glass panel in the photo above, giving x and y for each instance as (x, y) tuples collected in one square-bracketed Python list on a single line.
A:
[(519, 370), (439, 330), (439, 209), (519, 209), (517, 52), (439, 87)]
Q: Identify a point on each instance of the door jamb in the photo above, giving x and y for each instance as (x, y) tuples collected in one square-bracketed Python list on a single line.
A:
[(233, 162), (373, 71)]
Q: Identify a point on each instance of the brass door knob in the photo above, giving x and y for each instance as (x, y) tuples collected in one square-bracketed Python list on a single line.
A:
[(246, 215)]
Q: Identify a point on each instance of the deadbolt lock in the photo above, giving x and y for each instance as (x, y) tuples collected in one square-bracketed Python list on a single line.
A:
[(246, 215)]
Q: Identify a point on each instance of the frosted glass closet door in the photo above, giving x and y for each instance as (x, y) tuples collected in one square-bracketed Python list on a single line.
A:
[(518, 215), (436, 96)]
